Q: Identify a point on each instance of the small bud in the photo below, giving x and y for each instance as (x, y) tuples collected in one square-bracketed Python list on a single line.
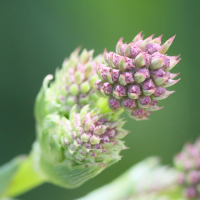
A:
[(126, 78), (128, 103), (144, 101), (146, 41), (127, 50), (99, 130), (152, 48), (106, 89), (163, 96), (114, 104), (156, 63), (159, 76), (84, 87), (134, 51), (119, 91), (134, 91), (159, 91), (74, 90), (126, 64), (103, 71), (95, 139), (97, 86), (140, 114), (113, 76), (148, 87), (85, 137), (141, 74), (142, 60)]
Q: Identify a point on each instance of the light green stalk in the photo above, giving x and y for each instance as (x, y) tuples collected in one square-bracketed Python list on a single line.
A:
[(146, 180)]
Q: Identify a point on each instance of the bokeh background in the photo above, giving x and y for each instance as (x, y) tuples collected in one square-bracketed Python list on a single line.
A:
[(36, 36)]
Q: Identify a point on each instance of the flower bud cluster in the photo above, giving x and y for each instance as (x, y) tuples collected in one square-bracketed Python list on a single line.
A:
[(137, 75), (90, 137), (74, 82), (188, 164)]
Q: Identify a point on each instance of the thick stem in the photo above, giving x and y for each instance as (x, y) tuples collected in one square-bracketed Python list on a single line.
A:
[(25, 179)]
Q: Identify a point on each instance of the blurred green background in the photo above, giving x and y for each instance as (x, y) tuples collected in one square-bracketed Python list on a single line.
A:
[(36, 36)]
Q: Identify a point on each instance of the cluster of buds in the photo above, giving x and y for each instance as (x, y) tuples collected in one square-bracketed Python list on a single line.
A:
[(73, 150), (137, 75), (188, 164), (73, 83), (92, 137)]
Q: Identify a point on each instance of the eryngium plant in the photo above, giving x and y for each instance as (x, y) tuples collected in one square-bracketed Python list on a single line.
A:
[(137, 75), (187, 163), (73, 150)]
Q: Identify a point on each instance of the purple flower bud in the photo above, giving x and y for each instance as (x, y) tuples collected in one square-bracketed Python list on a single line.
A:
[(122, 52), (126, 64), (159, 91), (190, 192), (111, 133), (134, 51), (97, 86), (128, 103), (106, 89), (103, 71), (166, 64), (193, 177), (144, 101), (119, 91), (134, 91), (142, 60), (105, 138), (113, 76), (101, 121), (87, 145), (126, 78), (140, 113), (116, 60), (141, 74), (152, 48), (114, 104), (159, 76), (148, 87)]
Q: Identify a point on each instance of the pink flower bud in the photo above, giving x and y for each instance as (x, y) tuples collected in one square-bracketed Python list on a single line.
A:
[(134, 91), (126, 78), (119, 91), (114, 104), (148, 87)]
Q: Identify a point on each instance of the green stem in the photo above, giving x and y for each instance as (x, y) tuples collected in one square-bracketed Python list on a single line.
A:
[(25, 179)]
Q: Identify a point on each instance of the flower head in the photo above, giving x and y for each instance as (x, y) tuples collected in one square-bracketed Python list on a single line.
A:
[(73, 150), (138, 72), (73, 84), (187, 163)]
